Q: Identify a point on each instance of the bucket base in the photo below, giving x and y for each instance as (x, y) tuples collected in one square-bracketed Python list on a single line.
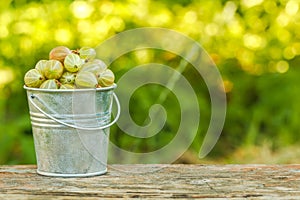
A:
[(71, 175)]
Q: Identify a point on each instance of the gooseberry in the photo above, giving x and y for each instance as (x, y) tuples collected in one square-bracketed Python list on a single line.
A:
[(33, 78), (87, 53), (54, 69), (59, 53), (73, 62), (86, 80), (106, 78)]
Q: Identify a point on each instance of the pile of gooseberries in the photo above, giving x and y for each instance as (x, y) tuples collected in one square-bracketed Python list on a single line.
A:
[(70, 69)]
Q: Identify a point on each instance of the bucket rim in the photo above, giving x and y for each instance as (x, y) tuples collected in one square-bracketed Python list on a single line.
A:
[(72, 90)]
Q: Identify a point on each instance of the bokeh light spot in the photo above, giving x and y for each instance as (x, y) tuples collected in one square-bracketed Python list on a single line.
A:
[(292, 7), (289, 53), (235, 28), (6, 76), (81, 9), (107, 7), (296, 48), (117, 23), (284, 36), (143, 56), (282, 66), (190, 17), (229, 11), (270, 6), (23, 27), (3, 31), (283, 19), (253, 41), (101, 27), (63, 35), (211, 29), (84, 26), (26, 44), (251, 3)]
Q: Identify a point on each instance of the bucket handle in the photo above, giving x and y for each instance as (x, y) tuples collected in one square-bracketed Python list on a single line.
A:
[(32, 96)]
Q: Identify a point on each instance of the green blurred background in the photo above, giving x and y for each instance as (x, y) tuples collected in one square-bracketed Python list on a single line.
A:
[(254, 43)]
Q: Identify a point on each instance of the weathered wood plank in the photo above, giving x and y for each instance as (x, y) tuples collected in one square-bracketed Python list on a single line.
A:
[(157, 181)]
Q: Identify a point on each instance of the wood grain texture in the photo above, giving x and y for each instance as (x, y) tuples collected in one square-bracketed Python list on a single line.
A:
[(156, 182)]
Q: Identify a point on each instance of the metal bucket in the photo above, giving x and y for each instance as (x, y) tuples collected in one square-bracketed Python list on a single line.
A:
[(71, 130)]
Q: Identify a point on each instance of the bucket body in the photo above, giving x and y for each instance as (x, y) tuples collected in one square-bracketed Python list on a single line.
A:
[(64, 122)]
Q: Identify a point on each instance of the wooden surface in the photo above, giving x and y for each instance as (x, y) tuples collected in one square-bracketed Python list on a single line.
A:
[(157, 181)]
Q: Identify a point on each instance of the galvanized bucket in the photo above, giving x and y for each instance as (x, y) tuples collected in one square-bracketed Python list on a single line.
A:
[(71, 130)]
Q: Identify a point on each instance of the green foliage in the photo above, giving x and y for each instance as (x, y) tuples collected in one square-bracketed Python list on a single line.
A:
[(255, 44)]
